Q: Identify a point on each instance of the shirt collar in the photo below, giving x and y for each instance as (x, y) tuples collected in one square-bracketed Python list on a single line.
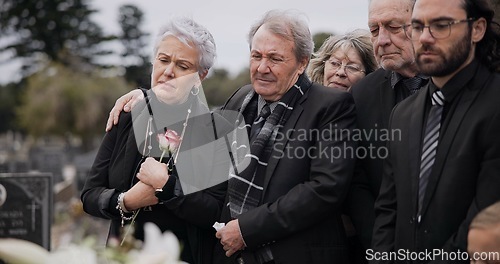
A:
[(303, 81), (396, 77), (458, 81), (261, 102)]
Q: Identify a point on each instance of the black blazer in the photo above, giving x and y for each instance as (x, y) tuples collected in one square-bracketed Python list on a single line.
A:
[(466, 173), (299, 212), (374, 98), (190, 217)]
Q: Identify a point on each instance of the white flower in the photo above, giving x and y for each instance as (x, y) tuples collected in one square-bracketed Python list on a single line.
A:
[(158, 248), (73, 254), (14, 250)]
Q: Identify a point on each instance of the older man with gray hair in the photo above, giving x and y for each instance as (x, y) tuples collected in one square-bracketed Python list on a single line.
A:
[(285, 207)]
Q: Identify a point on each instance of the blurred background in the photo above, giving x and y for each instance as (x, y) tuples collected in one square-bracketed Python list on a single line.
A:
[(63, 63)]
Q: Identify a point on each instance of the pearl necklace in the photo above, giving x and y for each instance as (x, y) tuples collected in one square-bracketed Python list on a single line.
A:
[(146, 152)]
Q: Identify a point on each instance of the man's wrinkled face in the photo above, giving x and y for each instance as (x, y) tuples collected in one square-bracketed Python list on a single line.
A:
[(274, 67), (386, 18)]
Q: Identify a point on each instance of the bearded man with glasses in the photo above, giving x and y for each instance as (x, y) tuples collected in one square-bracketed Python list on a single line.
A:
[(439, 29), (445, 168)]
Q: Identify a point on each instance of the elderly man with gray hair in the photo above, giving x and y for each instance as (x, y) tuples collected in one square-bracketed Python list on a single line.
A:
[(285, 207)]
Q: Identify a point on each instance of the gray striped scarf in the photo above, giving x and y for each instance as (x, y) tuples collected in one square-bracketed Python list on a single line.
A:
[(245, 187)]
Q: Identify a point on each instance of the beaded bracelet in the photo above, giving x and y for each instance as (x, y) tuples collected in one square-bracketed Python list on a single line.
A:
[(121, 208)]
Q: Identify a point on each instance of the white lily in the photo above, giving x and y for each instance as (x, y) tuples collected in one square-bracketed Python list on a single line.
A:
[(73, 254), (158, 248), (13, 250)]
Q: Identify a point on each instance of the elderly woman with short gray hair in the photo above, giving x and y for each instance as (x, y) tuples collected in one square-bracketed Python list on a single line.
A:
[(130, 182)]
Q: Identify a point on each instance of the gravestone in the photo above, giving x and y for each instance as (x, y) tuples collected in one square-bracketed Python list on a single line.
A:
[(49, 158), (26, 207)]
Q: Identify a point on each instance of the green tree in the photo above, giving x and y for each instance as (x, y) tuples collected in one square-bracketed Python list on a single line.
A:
[(8, 100), (220, 85), (319, 38), (137, 66), (51, 30), (60, 101)]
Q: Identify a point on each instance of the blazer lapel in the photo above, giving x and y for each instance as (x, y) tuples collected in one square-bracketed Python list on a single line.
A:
[(196, 156), (132, 157), (387, 99), (415, 141), (280, 145), (452, 124)]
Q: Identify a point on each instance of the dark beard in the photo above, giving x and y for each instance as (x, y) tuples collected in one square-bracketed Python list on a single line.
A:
[(448, 64)]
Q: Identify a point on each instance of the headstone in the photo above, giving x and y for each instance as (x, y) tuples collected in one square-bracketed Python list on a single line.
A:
[(49, 158), (26, 207)]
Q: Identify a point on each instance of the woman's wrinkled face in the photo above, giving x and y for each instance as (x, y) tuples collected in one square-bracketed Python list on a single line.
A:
[(175, 71), (343, 69)]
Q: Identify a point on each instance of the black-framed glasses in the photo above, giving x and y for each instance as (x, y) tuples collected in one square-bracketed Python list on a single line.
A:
[(348, 68), (437, 29)]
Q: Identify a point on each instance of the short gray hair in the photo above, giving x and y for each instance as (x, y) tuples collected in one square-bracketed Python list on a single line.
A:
[(188, 31), (290, 25)]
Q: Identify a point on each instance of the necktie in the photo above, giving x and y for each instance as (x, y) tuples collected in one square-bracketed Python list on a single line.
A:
[(413, 84), (259, 122), (430, 145)]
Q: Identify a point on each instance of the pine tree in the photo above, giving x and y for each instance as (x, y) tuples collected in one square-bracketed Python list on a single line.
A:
[(50, 30), (137, 66)]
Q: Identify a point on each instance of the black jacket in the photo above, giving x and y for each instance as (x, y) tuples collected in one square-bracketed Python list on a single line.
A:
[(299, 213), (465, 175), (190, 217)]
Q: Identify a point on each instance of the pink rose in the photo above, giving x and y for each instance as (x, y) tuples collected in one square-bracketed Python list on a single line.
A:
[(169, 142)]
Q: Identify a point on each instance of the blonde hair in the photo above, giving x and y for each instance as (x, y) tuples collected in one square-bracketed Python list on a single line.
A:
[(359, 39)]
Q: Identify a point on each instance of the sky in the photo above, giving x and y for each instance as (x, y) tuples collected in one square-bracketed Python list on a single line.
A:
[(228, 21)]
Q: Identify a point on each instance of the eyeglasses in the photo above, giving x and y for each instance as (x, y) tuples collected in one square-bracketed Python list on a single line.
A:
[(348, 68), (391, 28), (438, 29)]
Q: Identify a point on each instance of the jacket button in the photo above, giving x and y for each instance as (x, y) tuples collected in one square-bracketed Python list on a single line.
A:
[(412, 220)]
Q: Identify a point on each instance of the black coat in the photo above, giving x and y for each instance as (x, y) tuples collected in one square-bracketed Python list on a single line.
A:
[(299, 213), (374, 98), (190, 216), (465, 175)]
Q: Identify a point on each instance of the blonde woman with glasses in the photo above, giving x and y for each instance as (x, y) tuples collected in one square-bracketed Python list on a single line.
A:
[(343, 60)]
